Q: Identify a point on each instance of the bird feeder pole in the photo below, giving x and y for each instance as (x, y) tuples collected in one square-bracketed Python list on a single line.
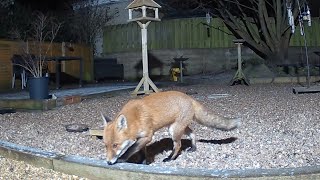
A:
[(143, 22)]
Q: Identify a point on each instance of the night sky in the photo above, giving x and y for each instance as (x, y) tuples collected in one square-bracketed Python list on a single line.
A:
[(58, 5), (47, 5), (315, 6)]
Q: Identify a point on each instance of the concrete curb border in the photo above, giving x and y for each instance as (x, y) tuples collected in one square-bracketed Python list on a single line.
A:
[(99, 169)]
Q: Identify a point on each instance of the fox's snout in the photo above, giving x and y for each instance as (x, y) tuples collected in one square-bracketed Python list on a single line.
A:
[(111, 163), (112, 158), (116, 152)]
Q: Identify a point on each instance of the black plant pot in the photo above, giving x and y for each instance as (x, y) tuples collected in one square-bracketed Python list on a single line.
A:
[(38, 87)]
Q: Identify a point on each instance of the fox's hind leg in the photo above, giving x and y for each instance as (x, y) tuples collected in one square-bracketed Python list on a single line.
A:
[(176, 132), (192, 136)]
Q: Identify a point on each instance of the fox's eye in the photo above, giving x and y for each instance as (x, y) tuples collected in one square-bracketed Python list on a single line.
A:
[(114, 146)]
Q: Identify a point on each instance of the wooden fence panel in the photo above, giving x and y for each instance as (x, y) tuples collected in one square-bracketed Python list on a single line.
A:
[(187, 33), (312, 35), (5, 65)]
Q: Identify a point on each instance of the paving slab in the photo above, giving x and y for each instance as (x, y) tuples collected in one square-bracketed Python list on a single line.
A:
[(84, 91), (21, 101)]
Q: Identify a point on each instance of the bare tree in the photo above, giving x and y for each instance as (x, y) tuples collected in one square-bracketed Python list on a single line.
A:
[(89, 19), (4, 11), (6, 3), (15, 21), (38, 42), (263, 24)]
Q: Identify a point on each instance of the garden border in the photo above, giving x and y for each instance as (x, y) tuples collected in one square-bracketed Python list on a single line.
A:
[(99, 169)]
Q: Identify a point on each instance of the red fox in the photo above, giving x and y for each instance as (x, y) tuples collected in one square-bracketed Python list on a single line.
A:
[(134, 126)]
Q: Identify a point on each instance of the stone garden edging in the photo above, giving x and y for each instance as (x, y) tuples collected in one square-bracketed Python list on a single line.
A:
[(99, 169)]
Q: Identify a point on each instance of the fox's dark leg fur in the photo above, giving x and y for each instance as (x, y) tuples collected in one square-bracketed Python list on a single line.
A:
[(191, 135), (175, 151), (146, 157), (140, 144)]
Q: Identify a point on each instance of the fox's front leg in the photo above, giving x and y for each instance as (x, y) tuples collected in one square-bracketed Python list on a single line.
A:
[(140, 144)]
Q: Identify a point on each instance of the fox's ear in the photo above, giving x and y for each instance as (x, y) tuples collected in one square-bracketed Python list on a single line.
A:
[(105, 119), (122, 122)]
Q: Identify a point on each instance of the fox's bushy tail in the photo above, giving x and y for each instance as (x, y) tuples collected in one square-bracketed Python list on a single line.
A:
[(209, 119)]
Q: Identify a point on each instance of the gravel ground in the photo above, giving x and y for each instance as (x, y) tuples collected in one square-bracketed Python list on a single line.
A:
[(11, 169), (279, 129)]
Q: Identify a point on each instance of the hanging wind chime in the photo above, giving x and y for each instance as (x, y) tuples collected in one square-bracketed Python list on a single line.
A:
[(304, 15)]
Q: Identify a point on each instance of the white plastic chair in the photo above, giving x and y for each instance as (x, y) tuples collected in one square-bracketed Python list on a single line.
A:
[(18, 71)]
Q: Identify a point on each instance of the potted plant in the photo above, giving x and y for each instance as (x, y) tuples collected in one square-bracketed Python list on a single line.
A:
[(36, 46)]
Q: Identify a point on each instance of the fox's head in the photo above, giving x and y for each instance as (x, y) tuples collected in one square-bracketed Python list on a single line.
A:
[(116, 138)]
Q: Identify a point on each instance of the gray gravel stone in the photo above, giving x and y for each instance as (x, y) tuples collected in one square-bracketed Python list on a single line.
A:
[(279, 129)]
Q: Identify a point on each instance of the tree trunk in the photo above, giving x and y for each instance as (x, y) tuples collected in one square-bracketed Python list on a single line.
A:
[(262, 24), (278, 57), (280, 53)]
